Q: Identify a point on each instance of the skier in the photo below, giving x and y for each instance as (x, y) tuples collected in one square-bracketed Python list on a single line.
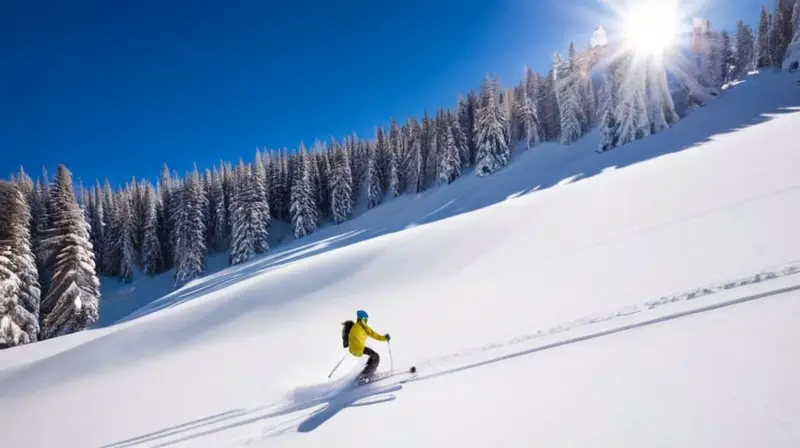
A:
[(356, 342)]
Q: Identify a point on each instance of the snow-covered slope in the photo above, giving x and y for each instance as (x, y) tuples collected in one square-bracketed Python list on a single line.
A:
[(572, 299)]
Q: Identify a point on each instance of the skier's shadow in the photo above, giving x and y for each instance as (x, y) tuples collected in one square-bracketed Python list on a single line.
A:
[(336, 405)]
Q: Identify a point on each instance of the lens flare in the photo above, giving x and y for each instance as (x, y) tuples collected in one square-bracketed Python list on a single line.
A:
[(652, 27)]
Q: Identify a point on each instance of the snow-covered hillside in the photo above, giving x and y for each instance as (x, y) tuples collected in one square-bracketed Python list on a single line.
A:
[(647, 296)]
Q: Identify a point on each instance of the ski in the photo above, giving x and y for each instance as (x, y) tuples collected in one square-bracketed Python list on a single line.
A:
[(384, 375)]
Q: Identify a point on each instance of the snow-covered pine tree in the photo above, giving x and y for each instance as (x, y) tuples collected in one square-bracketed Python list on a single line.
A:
[(395, 185), (189, 201), (341, 187), (303, 208), (609, 103), (449, 159), (745, 49), (569, 104), (283, 186), (491, 128), (782, 31), (356, 156), (20, 293), (382, 159), (314, 177), (276, 194), (126, 235), (112, 252), (427, 141), (609, 132), (511, 109), (763, 49), (165, 219), (547, 105), (373, 183), (216, 196), (71, 300), (712, 61), (211, 215), (727, 60), (41, 222), (467, 107), (530, 120), (631, 115), (97, 221), (250, 213), (152, 260), (660, 106), (137, 214), (460, 139), (323, 198), (608, 97), (414, 168)]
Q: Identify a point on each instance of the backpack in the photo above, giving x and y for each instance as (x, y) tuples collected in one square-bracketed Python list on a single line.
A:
[(346, 326)]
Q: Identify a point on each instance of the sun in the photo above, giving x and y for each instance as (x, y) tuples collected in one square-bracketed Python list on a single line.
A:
[(652, 26)]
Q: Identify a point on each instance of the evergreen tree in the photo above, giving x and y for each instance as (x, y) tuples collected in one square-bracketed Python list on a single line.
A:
[(782, 31), (763, 49), (460, 139), (530, 120), (41, 222), (631, 116), (71, 300), (449, 161), (250, 213), (210, 216), (126, 236), (323, 199), (745, 48), (727, 59), (382, 159), (151, 246), (491, 129), (97, 221), (112, 251), (467, 107), (569, 104), (341, 187), (303, 208), (660, 106), (374, 187), (547, 105), (395, 185), (19, 278), (166, 234), (609, 129), (414, 172), (189, 201)]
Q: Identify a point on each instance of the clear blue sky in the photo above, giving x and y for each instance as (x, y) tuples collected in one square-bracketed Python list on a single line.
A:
[(114, 89)]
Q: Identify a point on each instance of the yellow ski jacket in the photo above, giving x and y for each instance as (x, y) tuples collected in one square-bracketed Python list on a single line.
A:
[(358, 337)]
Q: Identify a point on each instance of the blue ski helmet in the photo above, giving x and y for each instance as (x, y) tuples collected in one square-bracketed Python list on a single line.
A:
[(361, 314)]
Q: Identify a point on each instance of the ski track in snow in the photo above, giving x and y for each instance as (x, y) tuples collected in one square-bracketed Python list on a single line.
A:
[(306, 407)]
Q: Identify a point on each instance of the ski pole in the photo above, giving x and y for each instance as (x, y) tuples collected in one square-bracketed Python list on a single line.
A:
[(337, 364), (391, 362)]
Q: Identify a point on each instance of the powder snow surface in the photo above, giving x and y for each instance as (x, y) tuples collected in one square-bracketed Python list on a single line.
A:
[(649, 296)]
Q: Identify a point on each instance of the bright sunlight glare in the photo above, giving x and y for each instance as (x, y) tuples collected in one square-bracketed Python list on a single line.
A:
[(652, 26)]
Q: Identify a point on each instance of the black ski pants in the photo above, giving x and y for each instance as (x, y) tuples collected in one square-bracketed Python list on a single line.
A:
[(372, 361)]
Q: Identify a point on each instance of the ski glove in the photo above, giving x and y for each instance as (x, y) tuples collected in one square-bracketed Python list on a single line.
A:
[(387, 336)]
